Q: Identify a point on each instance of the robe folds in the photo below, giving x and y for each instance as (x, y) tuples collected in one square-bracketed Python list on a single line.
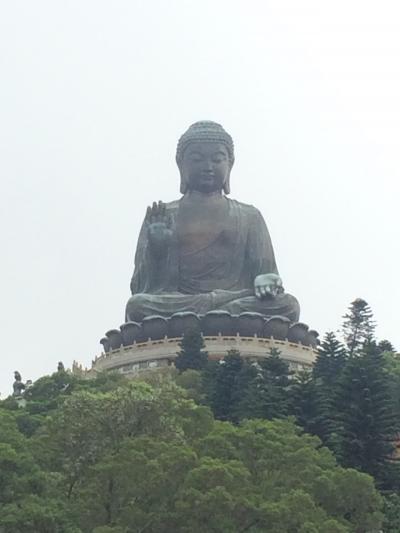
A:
[(217, 248)]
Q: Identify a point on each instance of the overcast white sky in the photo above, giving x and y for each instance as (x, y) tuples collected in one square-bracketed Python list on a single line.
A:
[(93, 97)]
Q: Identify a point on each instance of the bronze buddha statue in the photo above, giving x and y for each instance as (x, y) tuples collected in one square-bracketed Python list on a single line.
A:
[(206, 251)]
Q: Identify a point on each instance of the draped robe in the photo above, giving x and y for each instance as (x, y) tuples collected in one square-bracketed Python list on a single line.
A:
[(218, 247)]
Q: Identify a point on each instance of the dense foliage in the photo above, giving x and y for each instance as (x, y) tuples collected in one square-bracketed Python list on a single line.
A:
[(117, 456), (214, 446), (350, 400)]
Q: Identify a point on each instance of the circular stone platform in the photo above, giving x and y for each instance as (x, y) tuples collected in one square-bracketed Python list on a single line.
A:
[(161, 353), (155, 342)]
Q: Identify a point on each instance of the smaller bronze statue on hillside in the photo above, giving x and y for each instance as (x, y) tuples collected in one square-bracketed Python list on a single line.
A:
[(18, 386)]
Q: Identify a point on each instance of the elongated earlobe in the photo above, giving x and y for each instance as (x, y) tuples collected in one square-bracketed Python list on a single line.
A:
[(227, 185), (183, 186)]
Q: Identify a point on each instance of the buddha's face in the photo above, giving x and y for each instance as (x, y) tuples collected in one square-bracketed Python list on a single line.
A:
[(205, 166)]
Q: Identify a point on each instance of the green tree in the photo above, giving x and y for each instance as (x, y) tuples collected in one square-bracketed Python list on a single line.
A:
[(263, 388), (46, 393), (91, 423), (327, 371), (386, 346), (193, 382), (29, 497), (358, 325), (192, 354), (297, 480), (276, 385), (367, 414), (330, 360), (49, 392), (303, 399), (391, 509), (259, 476), (392, 367), (248, 392), (226, 394)]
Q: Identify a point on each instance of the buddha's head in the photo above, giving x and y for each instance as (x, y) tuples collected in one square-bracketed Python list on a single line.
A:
[(205, 158)]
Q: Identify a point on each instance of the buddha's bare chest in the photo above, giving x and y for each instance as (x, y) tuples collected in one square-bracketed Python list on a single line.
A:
[(200, 226)]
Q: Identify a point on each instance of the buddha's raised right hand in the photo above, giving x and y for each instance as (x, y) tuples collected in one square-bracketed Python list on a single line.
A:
[(158, 228)]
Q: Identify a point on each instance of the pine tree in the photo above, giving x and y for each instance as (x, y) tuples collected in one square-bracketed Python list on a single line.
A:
[(226, 394), (326, 424), (303, 404), (366, 412), (248, 394), (262, 388), (386, 346), (276, 368), (358, 325), (191, 354), (327, 371), (209, 381), (330, 360), (276, 383)]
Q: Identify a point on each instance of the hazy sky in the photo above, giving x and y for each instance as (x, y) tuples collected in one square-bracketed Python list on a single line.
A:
[(94, 96)]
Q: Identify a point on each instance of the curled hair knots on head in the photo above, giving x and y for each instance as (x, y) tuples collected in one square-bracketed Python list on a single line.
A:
[(206, 131)]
